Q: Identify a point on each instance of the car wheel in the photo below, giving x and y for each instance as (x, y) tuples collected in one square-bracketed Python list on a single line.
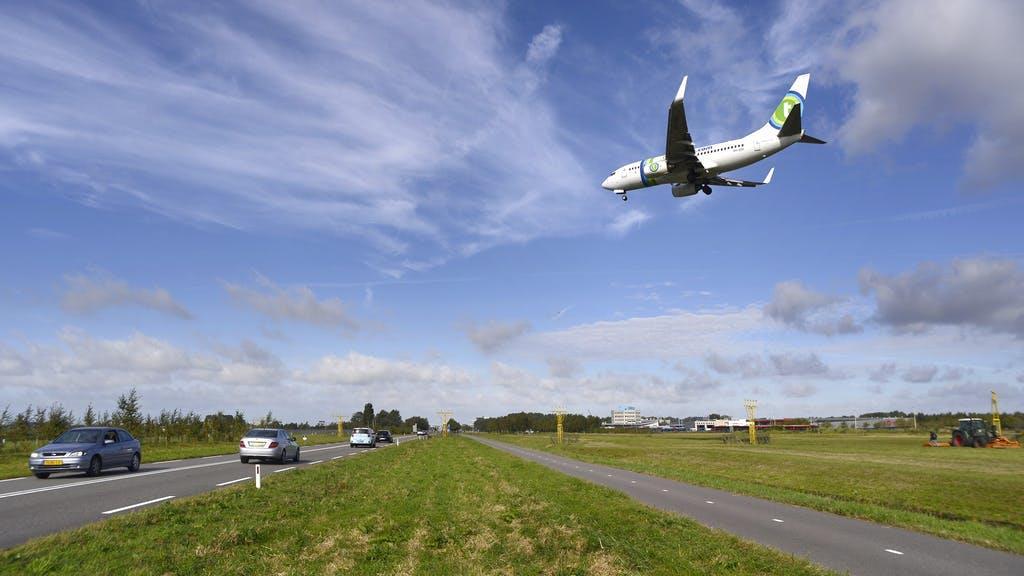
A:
[(95, 465), (42, 475), (351, 445), (133, 466), (244, 459), (284, 456), (296, 459)]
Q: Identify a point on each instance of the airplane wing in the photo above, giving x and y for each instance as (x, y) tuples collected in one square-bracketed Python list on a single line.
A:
[(719, 181), (679, 151)]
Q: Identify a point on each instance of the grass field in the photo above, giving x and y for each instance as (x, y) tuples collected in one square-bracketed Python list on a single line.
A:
[(974, 495), (444, 507), (14, 458)]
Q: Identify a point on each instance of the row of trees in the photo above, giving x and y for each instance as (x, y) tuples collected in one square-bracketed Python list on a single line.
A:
[(523, 421), (387, 420), (39, 423)]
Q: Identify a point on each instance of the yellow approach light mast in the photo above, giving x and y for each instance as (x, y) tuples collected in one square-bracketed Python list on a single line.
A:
[(341, 419), (996, 423), (559, 418), (445, 415), (751, 406)]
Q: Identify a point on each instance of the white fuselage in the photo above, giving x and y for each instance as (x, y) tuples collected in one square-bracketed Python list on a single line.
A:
[(716, 158)]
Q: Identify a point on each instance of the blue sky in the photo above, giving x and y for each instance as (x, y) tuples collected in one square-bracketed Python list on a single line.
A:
[(307, 206)]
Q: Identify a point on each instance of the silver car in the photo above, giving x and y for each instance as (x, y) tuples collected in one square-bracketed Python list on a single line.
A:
[(87, 449), (268, 444), (362, 437)]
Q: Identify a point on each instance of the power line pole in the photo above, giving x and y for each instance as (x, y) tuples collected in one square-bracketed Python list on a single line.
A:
[(559, 417), (751, 406)]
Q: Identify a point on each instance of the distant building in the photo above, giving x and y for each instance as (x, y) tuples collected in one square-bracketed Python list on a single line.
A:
[(626, 416), (718, 425)]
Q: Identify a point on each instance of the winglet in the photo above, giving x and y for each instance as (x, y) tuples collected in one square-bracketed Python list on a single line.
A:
[(682, 90), (768, 178)]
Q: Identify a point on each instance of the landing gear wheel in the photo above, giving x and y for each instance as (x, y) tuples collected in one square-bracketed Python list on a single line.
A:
[(624, 198), (706, 189)]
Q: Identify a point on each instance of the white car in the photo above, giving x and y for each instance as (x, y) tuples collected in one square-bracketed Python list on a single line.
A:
[(363, 437), (268, 444)]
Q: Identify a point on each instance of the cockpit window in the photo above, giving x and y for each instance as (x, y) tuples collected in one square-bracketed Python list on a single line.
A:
[(613, 173)]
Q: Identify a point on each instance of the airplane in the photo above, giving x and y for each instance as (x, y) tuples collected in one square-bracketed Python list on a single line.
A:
[(690, 170)]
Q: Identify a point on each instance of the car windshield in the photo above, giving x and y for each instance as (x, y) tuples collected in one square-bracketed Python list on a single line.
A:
[(261, 434), (78, 437)]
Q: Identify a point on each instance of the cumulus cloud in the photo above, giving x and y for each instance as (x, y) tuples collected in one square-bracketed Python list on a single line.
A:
[(297, 304), (883, 373), (562, 367), (494, 335), (784, 364), (981, 293), (745, 365), (355, 369), (804, 309), (799, 390), (926, 64), (87, 293), (798, 364), (919, 374)]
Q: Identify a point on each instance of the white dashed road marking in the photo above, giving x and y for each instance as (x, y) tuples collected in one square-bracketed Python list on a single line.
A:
[(233, 481), (317, 462), (342, 456), (284, 469), (777, 520), (664, 490), (710, 501), (123, 508), (896, 552)]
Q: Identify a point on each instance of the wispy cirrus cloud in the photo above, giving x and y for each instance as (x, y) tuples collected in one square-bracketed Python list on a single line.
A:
[(295, 303), (367, 121), (87, 293)]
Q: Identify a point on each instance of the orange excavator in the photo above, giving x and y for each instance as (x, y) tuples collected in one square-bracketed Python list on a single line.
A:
[(974, 432)]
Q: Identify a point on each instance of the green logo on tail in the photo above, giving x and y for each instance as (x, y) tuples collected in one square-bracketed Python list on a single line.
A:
[(782, 110)]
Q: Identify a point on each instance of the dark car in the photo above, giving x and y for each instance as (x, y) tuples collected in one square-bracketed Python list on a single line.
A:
[(384, 436), (87, 449)]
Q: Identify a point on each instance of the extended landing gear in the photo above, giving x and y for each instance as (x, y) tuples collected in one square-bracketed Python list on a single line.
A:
[(622, 194), (624, 198), (706, 189)]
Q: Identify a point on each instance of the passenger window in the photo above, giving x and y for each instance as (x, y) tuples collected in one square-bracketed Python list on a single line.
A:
[(110, 435), (124, 436)]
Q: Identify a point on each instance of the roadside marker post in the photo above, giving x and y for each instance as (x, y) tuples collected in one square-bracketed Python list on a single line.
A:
[(258, 479)]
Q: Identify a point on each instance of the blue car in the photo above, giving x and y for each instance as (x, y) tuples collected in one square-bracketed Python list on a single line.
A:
[(87, 449)]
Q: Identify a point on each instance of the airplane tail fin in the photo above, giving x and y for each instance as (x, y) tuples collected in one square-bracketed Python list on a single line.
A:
[(788, 115), (796, 95)]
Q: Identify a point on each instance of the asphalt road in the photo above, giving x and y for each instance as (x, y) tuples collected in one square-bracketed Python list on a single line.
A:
[(836, 542), (30, 507)]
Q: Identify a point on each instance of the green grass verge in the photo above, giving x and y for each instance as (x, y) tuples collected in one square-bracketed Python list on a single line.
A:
[(14, 461), (434, 508), (973, 495)]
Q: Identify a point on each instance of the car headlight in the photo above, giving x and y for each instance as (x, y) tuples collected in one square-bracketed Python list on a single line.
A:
[(34, 455), (77, 454)]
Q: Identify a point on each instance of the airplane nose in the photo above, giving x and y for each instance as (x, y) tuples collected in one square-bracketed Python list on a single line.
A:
[(607, 183)]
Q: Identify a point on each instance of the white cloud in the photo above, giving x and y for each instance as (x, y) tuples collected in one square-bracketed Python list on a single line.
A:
[(355, 369), (494, 335), (368, 121), (937, 65), (794, 304), (298, 304), (981, 293), (544, 45), (627, 221), (86, 293)]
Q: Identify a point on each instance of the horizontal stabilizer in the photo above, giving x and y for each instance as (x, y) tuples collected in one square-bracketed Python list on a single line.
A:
[(720, 181), (806, 139), (792, 126)]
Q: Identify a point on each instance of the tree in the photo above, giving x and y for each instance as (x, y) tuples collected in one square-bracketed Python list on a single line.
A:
[(128, 414), (368, 414), (90, 416), (453, 425), (419, 422), (357, 420)]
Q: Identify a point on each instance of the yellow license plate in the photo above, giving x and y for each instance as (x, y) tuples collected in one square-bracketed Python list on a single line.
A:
[(53, 462), (257, 444)]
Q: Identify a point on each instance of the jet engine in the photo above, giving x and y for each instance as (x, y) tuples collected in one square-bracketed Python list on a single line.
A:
[(680, 190)]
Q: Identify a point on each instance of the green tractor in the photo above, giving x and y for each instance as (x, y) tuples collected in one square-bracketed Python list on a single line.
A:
[(973, 432)]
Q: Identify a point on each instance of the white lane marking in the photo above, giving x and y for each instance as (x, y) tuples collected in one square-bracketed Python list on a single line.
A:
[(609, 475), (233, 481), (112, 479), (710, 501), (210, 456), (342, 456), (317, 462), (169, 461), (591, 470), (123, 508), (664, 490), (632, 481), (284, 469), (777, 520), (18, 478), (896, 552)]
